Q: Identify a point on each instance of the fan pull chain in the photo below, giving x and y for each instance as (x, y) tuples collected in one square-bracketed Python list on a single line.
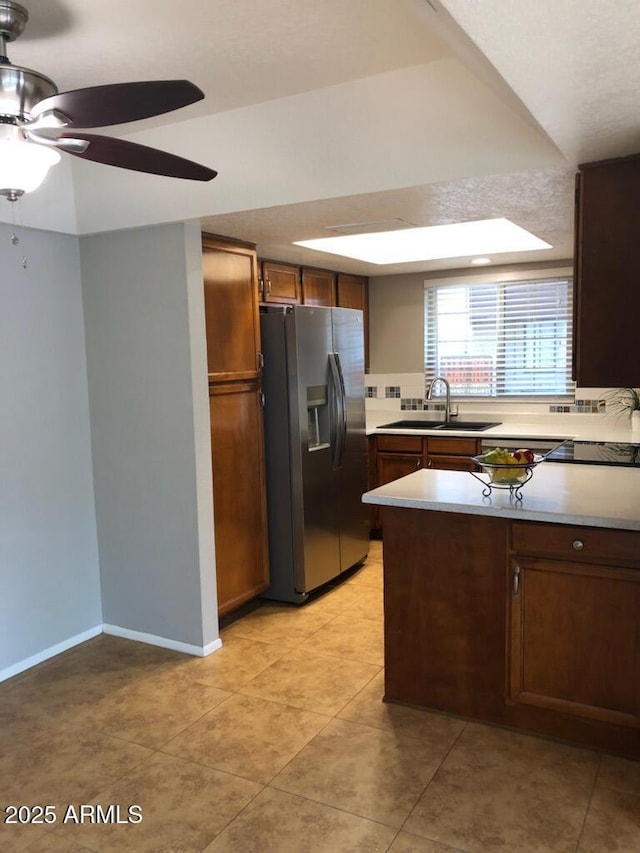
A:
[(15, 239)]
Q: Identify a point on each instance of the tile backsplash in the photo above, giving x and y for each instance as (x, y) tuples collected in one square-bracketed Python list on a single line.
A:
[(407, 392)]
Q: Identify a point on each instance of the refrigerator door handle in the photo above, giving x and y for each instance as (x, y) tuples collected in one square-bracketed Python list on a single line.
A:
[(340, 398)]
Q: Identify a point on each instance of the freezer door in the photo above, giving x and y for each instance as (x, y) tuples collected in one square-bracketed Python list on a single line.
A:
[(314, 480), (348, 344)]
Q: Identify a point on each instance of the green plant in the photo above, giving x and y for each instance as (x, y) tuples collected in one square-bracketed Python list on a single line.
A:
[(623, 401)]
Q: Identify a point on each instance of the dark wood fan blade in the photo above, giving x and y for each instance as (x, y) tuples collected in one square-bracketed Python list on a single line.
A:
[(116, 103), (139, 158)]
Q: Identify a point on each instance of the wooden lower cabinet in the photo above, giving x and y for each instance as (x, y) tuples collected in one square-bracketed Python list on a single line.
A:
[(451, 454), (239, 493), (575, 643), (396, 456), (479, 625)]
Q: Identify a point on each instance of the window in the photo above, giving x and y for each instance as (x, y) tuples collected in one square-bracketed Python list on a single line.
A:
[(505, 339)]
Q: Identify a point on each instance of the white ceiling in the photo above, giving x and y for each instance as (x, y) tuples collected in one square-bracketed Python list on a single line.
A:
[(325, 112)]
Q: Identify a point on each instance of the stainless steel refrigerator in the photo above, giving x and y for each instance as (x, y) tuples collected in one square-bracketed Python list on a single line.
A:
[(315, 445)]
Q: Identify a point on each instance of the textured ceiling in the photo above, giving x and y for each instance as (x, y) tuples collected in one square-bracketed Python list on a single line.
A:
[(331, 112)]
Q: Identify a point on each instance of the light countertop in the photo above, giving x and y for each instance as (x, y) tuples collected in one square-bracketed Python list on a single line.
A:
[(561, 427), (591, 495)]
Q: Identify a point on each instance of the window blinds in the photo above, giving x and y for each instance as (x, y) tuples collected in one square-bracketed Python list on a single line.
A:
[(503, 339)]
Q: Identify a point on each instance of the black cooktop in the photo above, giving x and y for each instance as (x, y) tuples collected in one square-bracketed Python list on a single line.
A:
[(596, 453)]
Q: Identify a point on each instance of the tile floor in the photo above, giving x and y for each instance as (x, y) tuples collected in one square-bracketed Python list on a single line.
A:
[(280, 742)]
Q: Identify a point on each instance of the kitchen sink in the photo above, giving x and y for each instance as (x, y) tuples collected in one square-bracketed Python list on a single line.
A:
[(410, 425), (473, 426)]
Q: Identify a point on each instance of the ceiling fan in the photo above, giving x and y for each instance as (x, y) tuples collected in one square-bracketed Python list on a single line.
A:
[(37, 121)]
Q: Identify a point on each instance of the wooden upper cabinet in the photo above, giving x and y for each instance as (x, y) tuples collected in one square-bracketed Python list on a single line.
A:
[(280, 283), (230, 275), (607, 302), (318, 287), (352, 291)]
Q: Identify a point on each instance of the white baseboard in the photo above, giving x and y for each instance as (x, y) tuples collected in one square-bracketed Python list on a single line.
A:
[(163, 642), (51, 652), (116, 631)]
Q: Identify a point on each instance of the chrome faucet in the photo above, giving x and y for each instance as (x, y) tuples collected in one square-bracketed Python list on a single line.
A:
[(447, 405)]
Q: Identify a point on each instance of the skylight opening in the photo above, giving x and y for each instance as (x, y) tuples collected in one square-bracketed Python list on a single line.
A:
[(483, 237)]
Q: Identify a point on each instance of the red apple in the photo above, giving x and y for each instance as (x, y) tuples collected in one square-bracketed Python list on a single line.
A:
[(524, 455)]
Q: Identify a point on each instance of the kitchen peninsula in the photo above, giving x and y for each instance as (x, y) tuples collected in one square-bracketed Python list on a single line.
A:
[(524, 614)]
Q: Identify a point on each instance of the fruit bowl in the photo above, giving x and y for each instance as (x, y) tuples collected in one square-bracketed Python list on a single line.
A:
[(506, 471)]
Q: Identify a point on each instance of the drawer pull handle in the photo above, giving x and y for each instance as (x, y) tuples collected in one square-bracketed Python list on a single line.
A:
[(578, 544)]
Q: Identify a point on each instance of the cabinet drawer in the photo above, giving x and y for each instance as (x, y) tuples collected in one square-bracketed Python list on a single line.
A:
[(577, 543), (453, 446), (399, 443), (451, 463)]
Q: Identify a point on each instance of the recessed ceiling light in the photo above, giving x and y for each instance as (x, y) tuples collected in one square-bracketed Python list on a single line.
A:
[(462, 239), (480, 262)]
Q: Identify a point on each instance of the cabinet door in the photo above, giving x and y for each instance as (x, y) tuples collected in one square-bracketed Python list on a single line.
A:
[(318, 287), (575, 639), (280, 283), (239, 494), (392, 466), (352, 291), (230, 275), (606, 272), (444, 611)]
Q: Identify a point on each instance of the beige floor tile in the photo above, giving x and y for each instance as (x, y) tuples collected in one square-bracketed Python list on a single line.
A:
[(287, 626), (312, 682), (276, 822), (237, 662), (368, 709), (336, 600), (247, 736), (66, 767), (184, 807), (370, 575), (51, 843), (349, 638), (66, 688), (16, 838), (153, 710), (369, 772), (620, 774), (369, 606), (507, 791), (406, 843), (613, 823)]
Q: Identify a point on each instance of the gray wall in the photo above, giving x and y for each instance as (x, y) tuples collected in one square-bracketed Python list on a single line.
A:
[(396, 323), (146, 356), (49, 580)]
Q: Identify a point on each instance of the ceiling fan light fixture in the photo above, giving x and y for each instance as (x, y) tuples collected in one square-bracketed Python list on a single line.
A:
[(23, 167)]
